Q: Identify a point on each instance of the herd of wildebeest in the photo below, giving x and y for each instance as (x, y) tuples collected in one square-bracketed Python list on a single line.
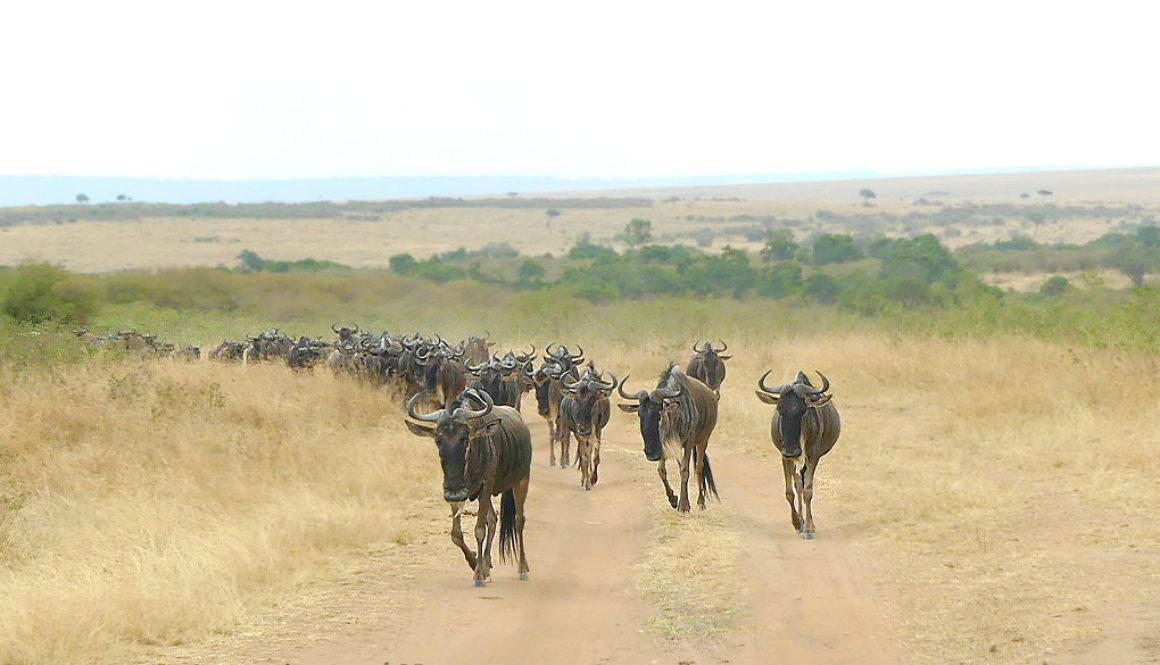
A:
[(472, 396)]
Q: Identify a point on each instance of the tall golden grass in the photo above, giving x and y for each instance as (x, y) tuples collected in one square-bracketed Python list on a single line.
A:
[(157, 504), (1008, 487)]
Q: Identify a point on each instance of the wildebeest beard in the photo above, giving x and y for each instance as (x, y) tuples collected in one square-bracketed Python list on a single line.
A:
[(464, 459)]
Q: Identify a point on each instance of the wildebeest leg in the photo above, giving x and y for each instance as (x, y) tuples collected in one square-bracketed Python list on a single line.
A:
[(565, 444), (701, 447), (596, 459), (485, 519), (457, 536), (521, 494), (664, 474), (787, 469), (551, 442), (800, 490), (683, 504), (584, 455), (808, 498)]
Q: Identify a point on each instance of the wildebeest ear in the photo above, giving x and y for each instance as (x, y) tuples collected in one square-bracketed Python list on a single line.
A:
[(728, 357), (821, 400), (490, 344), (629, 408), (766, 397), (420, 430)]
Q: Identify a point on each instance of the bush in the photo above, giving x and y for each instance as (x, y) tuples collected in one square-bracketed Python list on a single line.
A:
[(822, 288), (44, 293), (403, 264), (780, 247), (834, 248), (1055, 285)]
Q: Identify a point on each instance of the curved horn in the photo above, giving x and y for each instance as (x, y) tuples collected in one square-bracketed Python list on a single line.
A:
[(429, 417), (577, 356), (570, 386), (464, 412), (667, 393), (487, 334), (356, 330), (639, 395), (765, 389), (476, 368), (548, 348), (334, 327), (607, 386), (724, 347), (825, 385)]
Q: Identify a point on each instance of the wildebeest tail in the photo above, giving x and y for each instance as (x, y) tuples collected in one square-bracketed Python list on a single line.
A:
[(707, 484), (507, 525)]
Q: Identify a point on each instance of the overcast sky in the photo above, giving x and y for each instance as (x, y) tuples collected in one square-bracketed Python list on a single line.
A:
[(582, 89)]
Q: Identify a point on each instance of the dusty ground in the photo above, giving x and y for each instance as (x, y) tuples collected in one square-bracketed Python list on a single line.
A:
[(812, 601)]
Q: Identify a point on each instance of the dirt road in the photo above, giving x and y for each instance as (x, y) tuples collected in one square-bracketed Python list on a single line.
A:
[(804, 601)]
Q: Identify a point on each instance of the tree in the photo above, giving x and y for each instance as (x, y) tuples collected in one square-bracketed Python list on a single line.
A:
[(552, 214), (251, 262), (1043, 194), (1055, 285), (780, 246), (866, 195), (42, 293), (122, 198), (638, 232), (403, 264), (82, 198), (530, 271), (1024, 195), (835, 248)]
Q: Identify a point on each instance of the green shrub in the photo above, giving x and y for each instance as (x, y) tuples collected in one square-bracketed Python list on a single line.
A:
[(834, 248), (1055, 286), (44, 293)]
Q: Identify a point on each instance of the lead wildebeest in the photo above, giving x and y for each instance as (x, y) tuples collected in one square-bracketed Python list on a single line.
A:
[(805, 427), (676, 420), (484, 452), (708, 365), (584, 411)]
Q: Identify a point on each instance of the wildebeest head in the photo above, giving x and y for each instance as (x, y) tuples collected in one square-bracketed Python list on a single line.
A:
[(586, 392), (708, 365), (650, 407), (476, 348), (793, 400), (542, 379), (457, 431), (563, 357), (345, 334)]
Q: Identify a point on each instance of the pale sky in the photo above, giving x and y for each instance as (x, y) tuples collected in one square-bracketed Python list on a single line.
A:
[(583, 89)]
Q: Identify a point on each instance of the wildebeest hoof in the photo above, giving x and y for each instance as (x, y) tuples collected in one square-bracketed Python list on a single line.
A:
[(806, 535), (523, 577), (477, 583)]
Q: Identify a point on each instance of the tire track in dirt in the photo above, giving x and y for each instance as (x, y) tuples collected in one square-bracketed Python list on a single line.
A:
[(806, 601)]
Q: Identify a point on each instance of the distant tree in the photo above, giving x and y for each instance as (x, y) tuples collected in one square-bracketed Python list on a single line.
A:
[(403, 264), (866, 195), (122, 197), (82, 198), (531, 271), (513, 194), (1036, 219), (1055, 285), (251, 262), (835, 248), (552, 214), (638, 232), (1043, 194), (1024, 195), (780, 246)]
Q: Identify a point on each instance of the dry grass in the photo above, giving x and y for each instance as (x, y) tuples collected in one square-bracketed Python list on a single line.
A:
[(1005, 483), (160, 504)]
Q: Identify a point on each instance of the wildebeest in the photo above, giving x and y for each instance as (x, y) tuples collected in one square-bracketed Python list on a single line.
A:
[(484, 452), (496, 378), (559, 365), (708, 365), (584, 411), (478, 349), (676, 420), (444, 373), (305, 353), (805, 427)]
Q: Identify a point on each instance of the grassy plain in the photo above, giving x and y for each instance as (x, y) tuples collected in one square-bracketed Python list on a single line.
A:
[(1007, 486)]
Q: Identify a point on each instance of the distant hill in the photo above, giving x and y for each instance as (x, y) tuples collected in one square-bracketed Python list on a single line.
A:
[(50, 190)]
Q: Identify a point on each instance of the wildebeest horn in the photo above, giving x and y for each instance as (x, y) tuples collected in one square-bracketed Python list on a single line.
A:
[(334, 327), (570, 386), (825, 385), (530, 353), (548, 348), (487, 334), (465, 413), (355, 330), (429, 417), (607, 386), (667, 393), (576, 357), (765, 389), (724, 346), (476, 368), (639, 395)]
